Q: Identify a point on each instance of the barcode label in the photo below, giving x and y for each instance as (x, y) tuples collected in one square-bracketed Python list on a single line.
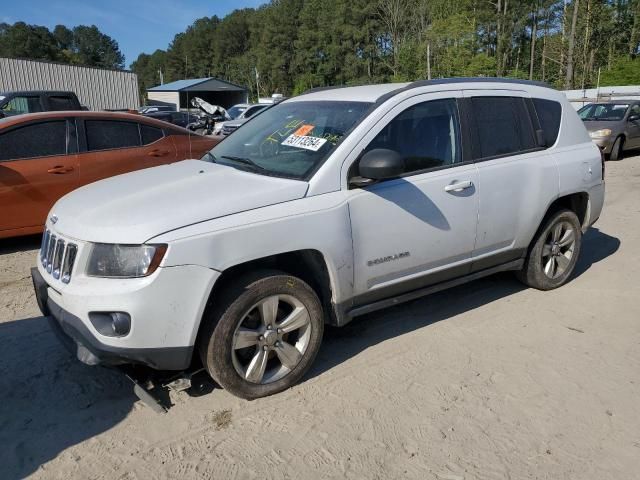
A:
[(308, 143)]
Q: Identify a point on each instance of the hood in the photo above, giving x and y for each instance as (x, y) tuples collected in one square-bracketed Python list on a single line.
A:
[(593, 125), (137, 206)]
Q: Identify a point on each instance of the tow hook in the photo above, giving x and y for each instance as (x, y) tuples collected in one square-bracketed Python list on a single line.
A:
[(152, 388)]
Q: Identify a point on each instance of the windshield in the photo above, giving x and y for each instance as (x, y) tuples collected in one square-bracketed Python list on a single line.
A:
[(603, 111), (235, 112), (290, 139)]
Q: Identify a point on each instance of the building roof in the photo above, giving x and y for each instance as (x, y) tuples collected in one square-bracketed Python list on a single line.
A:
[(209, 84)]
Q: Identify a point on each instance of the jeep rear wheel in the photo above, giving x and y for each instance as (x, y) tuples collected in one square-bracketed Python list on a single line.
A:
[(554, 252), (264, 335)]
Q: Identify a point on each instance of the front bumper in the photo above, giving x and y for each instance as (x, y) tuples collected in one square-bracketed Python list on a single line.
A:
[(163, 342)]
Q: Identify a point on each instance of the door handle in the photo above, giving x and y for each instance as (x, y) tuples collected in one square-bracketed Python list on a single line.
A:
[(158, 153), (458, 186), (60, 170)]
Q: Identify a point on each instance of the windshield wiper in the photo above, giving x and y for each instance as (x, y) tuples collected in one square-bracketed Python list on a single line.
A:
[(246, 161)]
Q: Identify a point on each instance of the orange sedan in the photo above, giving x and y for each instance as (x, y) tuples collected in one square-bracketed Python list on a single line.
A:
[(45, 155)]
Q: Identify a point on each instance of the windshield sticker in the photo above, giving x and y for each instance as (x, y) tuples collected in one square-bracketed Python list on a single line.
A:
[(620, 107), (308, 143), (304, 130)]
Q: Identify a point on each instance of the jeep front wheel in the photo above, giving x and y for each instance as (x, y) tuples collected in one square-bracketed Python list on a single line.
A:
[(264, 335)]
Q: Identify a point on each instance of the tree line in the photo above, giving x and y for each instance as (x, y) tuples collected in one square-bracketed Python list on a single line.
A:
[(288, 46), (81, 45)]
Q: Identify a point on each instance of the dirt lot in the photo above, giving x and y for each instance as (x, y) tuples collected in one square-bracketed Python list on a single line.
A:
[(487, 381)]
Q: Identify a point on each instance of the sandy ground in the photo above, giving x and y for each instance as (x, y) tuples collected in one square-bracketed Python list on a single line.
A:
[(487, 381)]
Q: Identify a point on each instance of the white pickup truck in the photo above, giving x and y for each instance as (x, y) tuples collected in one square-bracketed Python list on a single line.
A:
[(324, 207)]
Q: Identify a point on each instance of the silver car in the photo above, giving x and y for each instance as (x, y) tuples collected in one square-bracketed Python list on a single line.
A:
[(614, 126)]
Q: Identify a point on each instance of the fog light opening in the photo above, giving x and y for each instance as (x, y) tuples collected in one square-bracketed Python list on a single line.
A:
[(111, 324)]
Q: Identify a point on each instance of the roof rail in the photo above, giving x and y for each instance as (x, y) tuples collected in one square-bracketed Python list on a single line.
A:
[(444, 81), (439, 81), (322, 89)]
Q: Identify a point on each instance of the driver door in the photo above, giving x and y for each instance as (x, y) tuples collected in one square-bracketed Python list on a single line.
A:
[(419, 229)]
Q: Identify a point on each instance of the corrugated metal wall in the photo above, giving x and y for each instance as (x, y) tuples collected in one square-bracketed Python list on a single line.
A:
[(96, 88), (164, 98)]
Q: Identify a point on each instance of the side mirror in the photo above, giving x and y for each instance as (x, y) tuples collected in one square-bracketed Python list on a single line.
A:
[(381, 164), (2, 115), (633, 118)]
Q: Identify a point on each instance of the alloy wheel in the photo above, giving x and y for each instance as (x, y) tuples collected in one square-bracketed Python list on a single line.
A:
[(558, 249), (271, 339)]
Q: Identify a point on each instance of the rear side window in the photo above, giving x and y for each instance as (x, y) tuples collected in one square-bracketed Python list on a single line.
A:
[(503, 126), (150, 134), (60, 103), (37, 140), (549, 114), (109, 134)]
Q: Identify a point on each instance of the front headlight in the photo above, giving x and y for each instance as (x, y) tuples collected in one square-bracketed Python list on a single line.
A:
[(124, 261), (605, 132)]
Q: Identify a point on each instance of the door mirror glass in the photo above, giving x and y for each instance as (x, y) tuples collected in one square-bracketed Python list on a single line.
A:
[(381, 164)]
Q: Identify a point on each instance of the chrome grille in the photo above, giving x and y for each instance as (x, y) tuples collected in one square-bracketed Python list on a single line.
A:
[(57, 256), (50, 250)]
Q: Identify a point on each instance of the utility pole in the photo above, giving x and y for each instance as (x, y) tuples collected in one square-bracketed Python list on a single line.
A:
[(257, 83), (161, 76), (428, 61), (534, 33)]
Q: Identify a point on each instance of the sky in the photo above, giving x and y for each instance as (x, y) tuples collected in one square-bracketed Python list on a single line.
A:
[(137, 25)]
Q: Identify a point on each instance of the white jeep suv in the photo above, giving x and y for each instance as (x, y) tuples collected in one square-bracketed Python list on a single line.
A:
[(327, 206)]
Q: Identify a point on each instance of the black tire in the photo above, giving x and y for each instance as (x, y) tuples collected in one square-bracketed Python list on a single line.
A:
[(534, 273), (616, 150), (232, 307)]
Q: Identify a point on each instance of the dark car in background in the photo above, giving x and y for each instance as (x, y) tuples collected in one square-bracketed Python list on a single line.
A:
[(19, 103), (182, 119), (614, 126)]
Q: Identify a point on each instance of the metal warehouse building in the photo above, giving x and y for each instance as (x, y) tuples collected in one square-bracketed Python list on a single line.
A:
[(212, 90), (97, 88)]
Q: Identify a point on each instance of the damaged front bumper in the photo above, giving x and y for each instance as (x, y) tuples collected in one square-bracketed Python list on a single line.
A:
[(74, 334)]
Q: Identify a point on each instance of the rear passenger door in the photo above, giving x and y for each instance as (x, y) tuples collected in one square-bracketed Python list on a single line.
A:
[(113, 147), (516, 175), (38, 165)]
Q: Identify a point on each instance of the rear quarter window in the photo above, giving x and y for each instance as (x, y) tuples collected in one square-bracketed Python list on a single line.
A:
[(549, 115), (60, 103)]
